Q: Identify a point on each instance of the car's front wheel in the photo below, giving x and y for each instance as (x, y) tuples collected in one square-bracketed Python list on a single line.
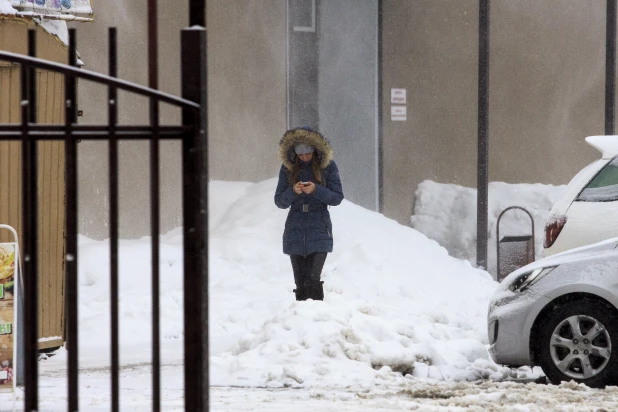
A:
[(578, 341)]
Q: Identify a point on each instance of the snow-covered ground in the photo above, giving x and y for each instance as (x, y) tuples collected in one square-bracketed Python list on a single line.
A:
[(413, 394), (424, 396), (395, 303), (446, 213), (402, 325)]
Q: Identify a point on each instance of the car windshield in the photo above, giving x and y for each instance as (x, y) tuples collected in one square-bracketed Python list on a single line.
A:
[(603, 187)]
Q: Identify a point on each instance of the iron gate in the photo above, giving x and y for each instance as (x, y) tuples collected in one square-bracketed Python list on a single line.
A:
[(193, 135)]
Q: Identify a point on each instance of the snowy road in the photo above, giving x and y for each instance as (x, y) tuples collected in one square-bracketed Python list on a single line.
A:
[(414, 394), (421, 396)]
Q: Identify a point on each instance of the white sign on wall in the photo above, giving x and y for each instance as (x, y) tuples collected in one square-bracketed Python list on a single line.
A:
[(398, 96), (399, 113)]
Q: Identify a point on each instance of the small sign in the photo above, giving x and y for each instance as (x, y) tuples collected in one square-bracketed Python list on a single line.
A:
[(7, 345), (8, 261), (6, 328), (398, 96), (399, 113), (7, 270)]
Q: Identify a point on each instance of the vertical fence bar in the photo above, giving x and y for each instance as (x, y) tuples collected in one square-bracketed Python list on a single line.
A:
[(483, 136), (154, 229), (70, 146), (32, 83), (610, 67), (30, 232), (153, 83), (197, 13), (195, 218), (380, 101), (112, 112)]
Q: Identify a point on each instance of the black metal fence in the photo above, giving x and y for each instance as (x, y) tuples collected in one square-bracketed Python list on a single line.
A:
[(193, 135)]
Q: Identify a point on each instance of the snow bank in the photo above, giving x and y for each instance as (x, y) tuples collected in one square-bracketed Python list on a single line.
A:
[(447, 214), (396, 303)]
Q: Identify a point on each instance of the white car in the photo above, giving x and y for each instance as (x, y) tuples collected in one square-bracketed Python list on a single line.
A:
[(588, 211), (561, 313)]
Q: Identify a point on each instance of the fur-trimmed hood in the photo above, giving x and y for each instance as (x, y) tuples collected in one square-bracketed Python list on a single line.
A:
[(292, 137)]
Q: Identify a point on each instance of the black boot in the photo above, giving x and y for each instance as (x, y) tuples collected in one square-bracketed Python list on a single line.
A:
[(301, 293), (315, 291)]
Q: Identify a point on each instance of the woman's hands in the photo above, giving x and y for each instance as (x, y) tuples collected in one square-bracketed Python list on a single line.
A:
[(298, 188), (307, 188)]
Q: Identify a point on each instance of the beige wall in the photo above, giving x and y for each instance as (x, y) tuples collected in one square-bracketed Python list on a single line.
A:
[(246, 55), (546, 95), (546, 92), (247, 86)]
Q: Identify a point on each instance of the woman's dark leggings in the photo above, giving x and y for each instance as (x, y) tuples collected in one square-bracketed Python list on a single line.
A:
[(307, 271)]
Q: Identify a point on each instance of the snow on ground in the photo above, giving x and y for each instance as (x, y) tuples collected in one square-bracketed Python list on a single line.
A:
[(446, 213), (398, 309), (413, 394), (395, 303), (422, 395)]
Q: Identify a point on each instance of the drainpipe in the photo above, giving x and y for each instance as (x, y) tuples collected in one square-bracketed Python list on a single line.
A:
[(610, 67), (483, 136)]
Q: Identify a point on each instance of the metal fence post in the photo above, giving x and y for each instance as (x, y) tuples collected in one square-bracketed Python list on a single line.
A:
[(610, 67), (195, 217), (197, 13), (483, 136), (71, 284), (30, 230)]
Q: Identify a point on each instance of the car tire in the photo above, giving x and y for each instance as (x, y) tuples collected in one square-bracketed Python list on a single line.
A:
[(588, 355)]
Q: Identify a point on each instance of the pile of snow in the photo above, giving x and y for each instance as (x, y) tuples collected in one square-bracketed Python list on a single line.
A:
[(396, 303), (6, 8), (446, 213)]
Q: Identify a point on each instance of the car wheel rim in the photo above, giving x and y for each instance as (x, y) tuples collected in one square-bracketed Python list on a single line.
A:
[(580, 347)]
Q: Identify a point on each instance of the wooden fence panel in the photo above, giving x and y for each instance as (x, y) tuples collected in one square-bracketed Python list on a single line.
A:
[(51, 194)]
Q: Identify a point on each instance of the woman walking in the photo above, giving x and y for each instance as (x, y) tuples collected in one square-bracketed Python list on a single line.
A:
[(308, 183)]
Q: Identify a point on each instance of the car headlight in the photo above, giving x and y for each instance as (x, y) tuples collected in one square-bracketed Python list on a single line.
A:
[(528, 279)]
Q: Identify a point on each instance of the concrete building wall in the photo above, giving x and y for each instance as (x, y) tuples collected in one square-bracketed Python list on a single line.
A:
[(348, 43), (247, 86), (546, 92), (546, 95), (247, 57)]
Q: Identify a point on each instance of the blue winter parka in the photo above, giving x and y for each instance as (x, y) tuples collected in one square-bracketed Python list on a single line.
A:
[(308, 227)]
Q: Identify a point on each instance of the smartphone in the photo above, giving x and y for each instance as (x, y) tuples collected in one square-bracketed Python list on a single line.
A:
[(304, 183)]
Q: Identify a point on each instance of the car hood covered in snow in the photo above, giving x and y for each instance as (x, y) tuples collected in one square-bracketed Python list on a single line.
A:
[(588, 252)]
